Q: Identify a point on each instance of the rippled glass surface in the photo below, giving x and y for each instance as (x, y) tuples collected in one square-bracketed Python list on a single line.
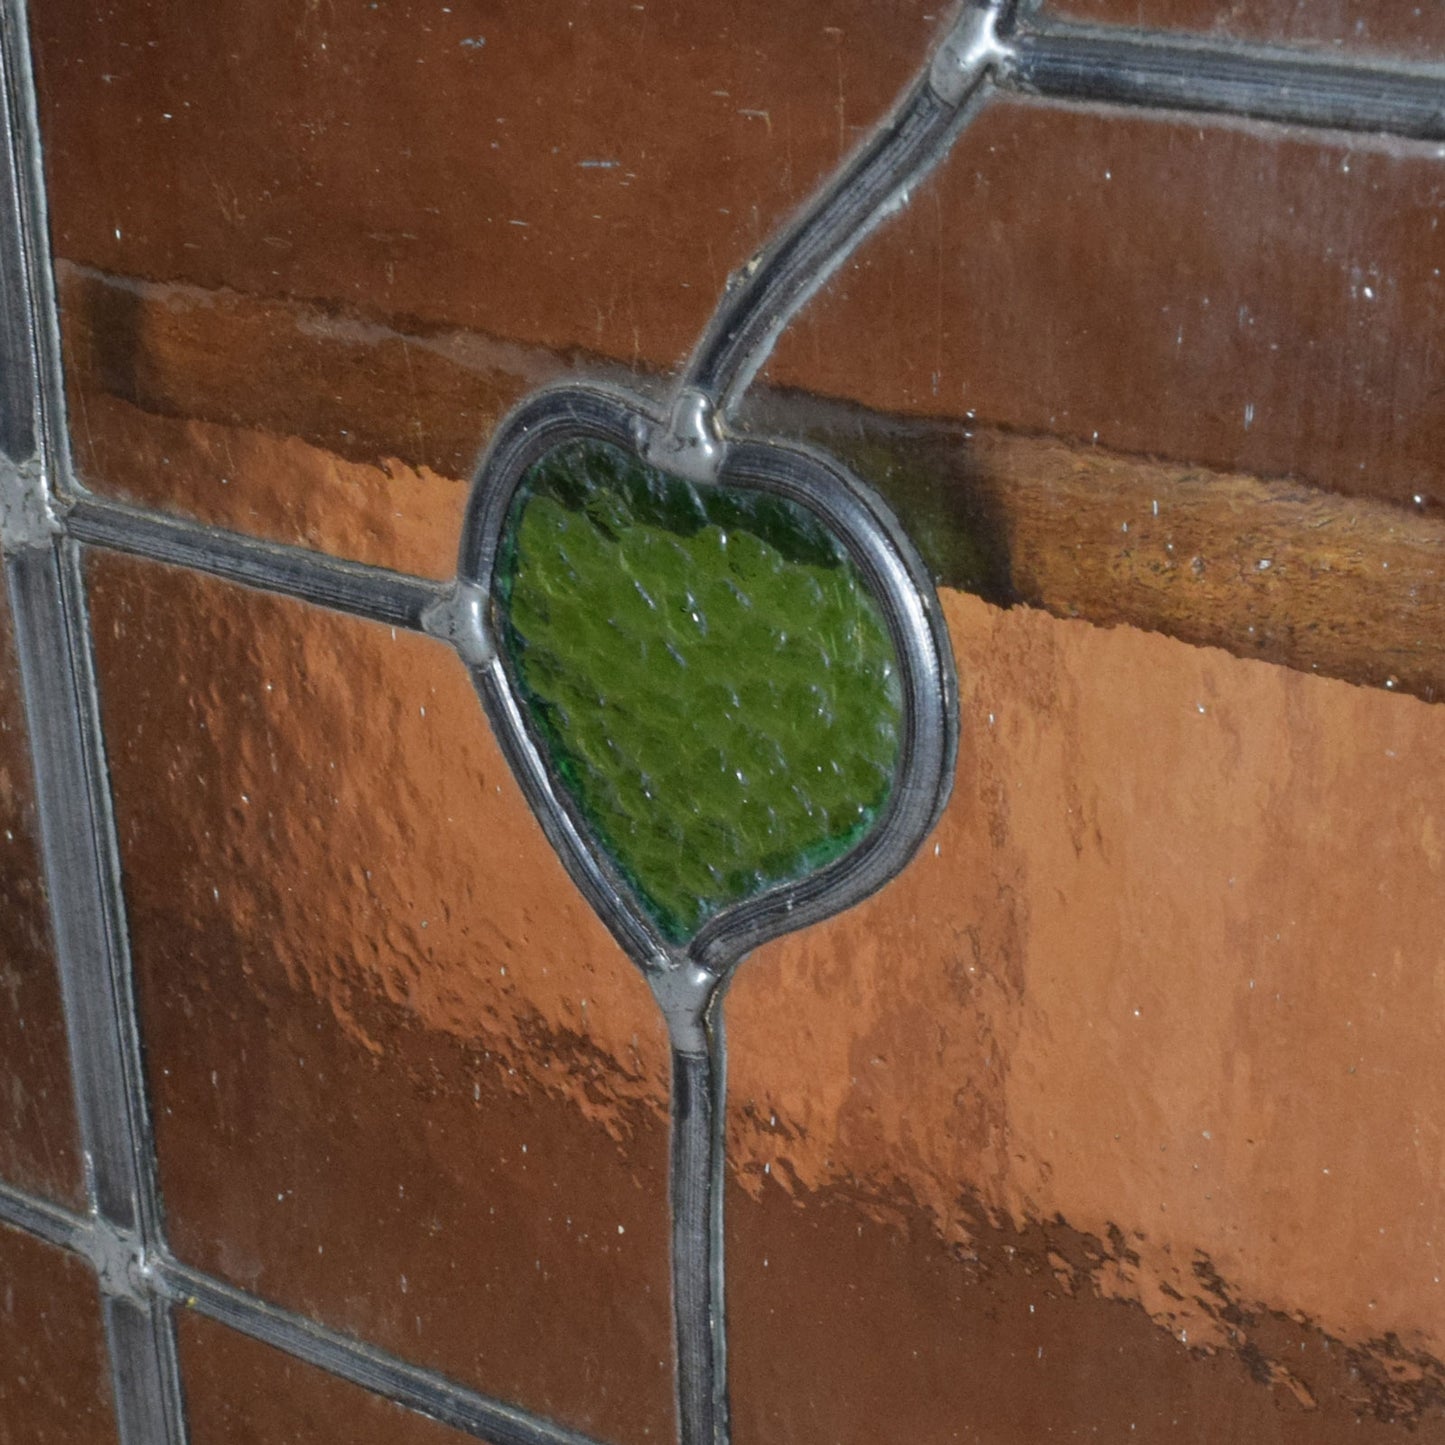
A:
[(1117, 1114), (283, 313), (713, 679)]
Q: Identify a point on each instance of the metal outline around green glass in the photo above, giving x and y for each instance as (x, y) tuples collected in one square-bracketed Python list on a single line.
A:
[(689, 980), (898, 581)]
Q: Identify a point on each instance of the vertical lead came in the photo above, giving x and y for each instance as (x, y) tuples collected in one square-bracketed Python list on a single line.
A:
[(76, 831)]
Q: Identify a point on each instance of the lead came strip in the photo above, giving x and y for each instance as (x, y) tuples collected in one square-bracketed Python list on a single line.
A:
[(77, 840), (1258, 82)]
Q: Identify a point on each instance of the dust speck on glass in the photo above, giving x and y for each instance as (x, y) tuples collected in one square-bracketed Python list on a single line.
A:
[(713, 679)]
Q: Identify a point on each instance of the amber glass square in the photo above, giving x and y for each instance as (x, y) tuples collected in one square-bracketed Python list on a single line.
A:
[(54, 1380)]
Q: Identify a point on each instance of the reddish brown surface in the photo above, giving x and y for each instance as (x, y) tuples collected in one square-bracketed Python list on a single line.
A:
[(54, 1381), (1264, 301), (1409, 28), (1115, 1116), (853, 1323), (403, 1081), (360, 390), (37, 1121), (1168, 978), (239, 1392), (388, 513), (1343, 587), (1252, 299), (570, 172)]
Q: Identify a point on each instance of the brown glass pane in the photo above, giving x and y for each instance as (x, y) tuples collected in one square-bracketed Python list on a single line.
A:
[(1117, 1112), (375, 229), (1408, 28), (1247, 299), (403, 1080), (1252, 299), (54, 1380), (239, 1392), (1263, 567), (37, 1119)]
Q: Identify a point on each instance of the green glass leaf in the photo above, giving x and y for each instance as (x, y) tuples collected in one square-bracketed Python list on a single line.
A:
[(708, 671)]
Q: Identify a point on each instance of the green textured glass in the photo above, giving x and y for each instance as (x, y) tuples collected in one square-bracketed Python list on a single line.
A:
[(707, 670)]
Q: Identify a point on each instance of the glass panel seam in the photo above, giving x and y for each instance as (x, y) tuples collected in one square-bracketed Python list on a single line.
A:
[(77, 839), (77, 846), (376, 593), (1274, 84), (46, 1220)]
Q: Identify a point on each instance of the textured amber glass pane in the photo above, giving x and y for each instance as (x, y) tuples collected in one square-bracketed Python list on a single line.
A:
[(403, 1080), (258, 158), (37, 1118), (1117, 1114), (714, 681), (241, 1392), (54, 1382)]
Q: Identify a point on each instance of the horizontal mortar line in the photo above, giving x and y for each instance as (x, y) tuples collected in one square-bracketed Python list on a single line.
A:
[(383, 1374), (357, 588), (45, 1219), (1161, 72)]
